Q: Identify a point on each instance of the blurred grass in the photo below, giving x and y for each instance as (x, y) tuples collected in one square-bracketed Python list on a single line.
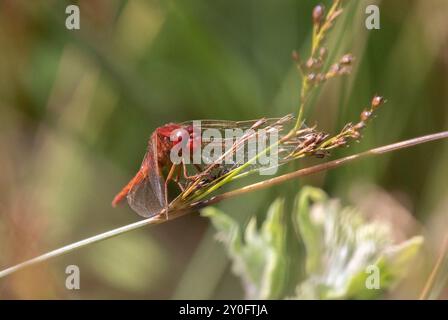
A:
[(78, 106)]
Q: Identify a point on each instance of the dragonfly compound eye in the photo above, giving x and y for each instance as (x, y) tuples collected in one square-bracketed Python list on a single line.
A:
[(194, 142), (178, 135)]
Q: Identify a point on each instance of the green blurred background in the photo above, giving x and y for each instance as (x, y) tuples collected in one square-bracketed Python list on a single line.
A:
[(78, 106)]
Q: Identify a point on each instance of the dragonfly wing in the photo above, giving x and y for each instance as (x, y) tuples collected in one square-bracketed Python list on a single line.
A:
[(143, 200), (245, 124), (242, 148), (155, 175), (147, 197)]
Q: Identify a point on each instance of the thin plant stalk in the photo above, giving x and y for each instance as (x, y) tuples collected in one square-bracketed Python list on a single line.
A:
[(429, 285), (319, 33), (218, 198)]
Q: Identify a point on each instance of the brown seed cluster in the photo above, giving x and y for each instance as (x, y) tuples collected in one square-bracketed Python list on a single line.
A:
[(306, 140), (324, 23), (318, 15), (312, 69), (353, 131), (342, 67), (315, 71), (311, 142)]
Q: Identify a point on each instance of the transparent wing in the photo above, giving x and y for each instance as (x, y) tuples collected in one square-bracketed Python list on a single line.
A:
[(147, 197), (246, 124), (232, 152), (143, 200)]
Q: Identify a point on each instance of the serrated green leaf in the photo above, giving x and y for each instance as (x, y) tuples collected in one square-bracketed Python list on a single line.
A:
[(341, 246), (260, 260)]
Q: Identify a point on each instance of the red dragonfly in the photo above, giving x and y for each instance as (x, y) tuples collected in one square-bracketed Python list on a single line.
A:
[(147, 192)]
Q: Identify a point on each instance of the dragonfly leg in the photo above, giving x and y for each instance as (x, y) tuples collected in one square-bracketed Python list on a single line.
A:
[(185, 172), (177, 178), (167, 180)]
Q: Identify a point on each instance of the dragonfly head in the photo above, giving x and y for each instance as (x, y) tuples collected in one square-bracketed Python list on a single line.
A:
[(194, 141), (177, 133)]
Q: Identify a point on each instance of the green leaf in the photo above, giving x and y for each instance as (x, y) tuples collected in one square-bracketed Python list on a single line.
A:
[(260, 260), (341, 248), (346, 256), (228, 229), (309, 230)]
